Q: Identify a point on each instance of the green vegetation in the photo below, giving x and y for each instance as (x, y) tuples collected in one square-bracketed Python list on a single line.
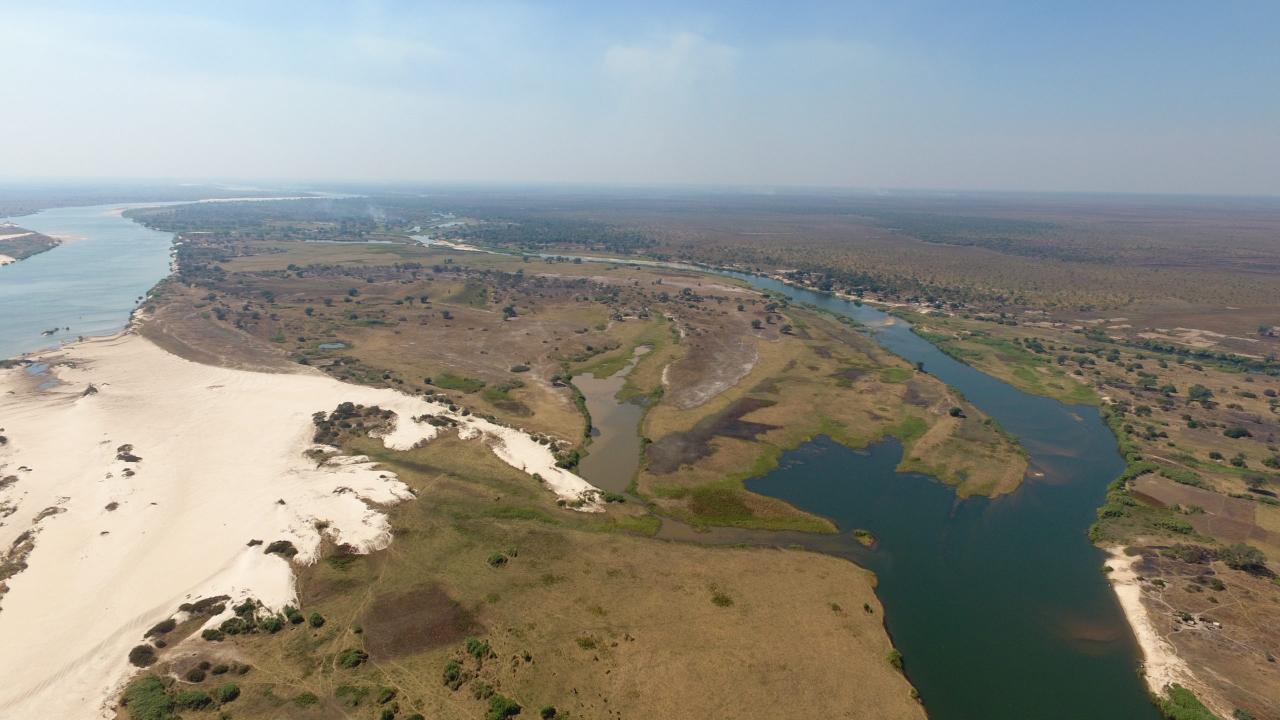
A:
[(1180, 703), (147, 698), (449, 381)]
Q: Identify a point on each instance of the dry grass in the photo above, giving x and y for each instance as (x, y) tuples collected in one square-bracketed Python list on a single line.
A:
[(578, 618)]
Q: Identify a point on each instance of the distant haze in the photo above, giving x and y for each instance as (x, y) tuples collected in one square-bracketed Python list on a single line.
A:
[(1091, 96)]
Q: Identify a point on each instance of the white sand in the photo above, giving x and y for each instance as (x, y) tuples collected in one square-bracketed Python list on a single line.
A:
[(219, 448), (1162, 664), (6, 259), (14, 235)]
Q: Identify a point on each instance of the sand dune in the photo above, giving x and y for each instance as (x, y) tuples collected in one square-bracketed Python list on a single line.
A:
[(119, 544)]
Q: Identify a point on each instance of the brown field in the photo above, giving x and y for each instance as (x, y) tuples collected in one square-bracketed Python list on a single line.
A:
[(1228, 636)]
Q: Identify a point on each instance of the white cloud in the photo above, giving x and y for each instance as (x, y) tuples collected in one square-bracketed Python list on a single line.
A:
[(677, 59)]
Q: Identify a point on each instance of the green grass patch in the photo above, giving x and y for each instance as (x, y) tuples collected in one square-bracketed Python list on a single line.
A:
[(449, 381), (895, 375)]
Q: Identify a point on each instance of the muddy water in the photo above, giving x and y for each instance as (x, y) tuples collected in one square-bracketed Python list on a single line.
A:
[(614, 452)]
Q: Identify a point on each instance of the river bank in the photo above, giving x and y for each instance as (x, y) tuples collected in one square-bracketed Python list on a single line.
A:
[(137, 481)]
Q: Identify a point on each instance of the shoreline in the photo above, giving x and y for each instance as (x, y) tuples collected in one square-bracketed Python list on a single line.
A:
[(115, 539), (1161, 664)]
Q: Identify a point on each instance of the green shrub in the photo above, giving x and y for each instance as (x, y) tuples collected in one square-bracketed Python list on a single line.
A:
[(1182, 704), (478, 649), (271, 624), (1236, 431), (453, 675), (497, 560), (234, 626), (720, 599), (351, 658), (1243, 557), (292, 615), (220, 669), (501, 708), (193, 700), (306, 699), (228, 692), (895, 659), (315, 619), (385, 695), (147, 699), (142, 655), (212, 634), (547, 712), (194, 675)]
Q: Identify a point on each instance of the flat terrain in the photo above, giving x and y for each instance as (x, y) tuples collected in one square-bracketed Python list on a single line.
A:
[(18, 243), (575, 616)]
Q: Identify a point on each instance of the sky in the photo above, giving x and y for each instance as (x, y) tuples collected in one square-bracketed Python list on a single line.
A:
[(1160, 97)]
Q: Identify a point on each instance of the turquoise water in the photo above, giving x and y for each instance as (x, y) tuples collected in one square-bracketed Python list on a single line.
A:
[(88, 285), (999, 606)]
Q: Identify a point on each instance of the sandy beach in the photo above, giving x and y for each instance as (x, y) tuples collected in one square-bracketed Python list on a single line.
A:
[(5, 260), (116, 538), (1161, 662)]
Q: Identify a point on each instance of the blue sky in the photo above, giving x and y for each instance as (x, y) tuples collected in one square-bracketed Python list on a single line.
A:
[(1089, 96)]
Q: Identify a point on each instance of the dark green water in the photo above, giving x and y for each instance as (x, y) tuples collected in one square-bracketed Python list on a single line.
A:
[(999, 606)]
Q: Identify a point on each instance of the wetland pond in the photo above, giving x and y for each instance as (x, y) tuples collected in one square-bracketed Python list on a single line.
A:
[(614, 453), (1000, 607)]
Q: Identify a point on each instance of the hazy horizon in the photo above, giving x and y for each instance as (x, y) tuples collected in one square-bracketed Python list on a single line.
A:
[(1148, 98)]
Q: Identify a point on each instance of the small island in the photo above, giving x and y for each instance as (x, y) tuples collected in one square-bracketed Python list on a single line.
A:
[(18, 243)]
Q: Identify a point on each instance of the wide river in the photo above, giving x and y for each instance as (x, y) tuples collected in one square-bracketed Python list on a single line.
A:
[(999, 606), (90, 283)]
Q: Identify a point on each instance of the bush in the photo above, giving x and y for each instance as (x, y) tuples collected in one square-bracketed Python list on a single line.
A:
[(212, 634), (895, 659), (142, 655), (453, 675), (351, 658), (497, 560), (386, 695), (292, 615), (234, 626), (1236, 431), (147, 699), (162, 627), (194, 675), (271, 624), (1243, 557), (281, 547), (227, 693), (193, 700), (220, 669), (315, 619), (501, 708), (547, 712), (478, 649), (306, 699), (1182, 704), (720, 599)]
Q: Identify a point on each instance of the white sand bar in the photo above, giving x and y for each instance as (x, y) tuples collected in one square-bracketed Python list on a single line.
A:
[(1160, 661), (219, 448)]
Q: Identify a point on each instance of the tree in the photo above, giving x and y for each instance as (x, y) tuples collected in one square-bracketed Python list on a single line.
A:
[(1200, 393)]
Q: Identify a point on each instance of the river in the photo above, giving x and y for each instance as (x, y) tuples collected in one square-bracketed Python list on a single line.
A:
[(999, 606)]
